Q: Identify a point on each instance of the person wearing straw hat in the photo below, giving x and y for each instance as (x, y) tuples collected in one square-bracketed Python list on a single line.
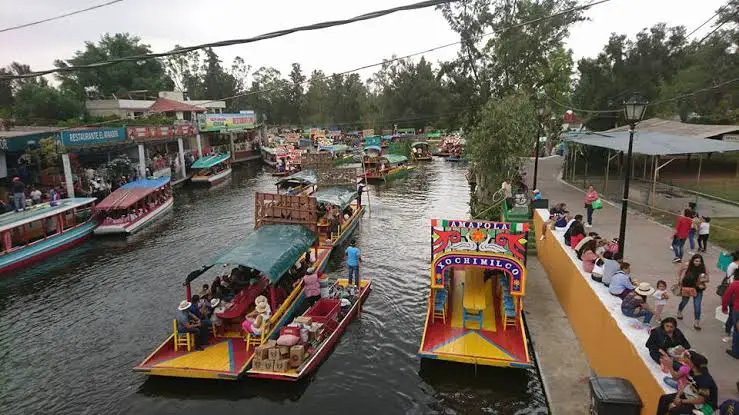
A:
[(188, 323), (635, 303), (218, 306), (255, 325)]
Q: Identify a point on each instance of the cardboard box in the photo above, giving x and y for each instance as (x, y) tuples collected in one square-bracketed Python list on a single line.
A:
[(268, 365), (274, 353), (281, 365), (284, 352), (261, 353), (304, 320), (270, 344), (296, 355)]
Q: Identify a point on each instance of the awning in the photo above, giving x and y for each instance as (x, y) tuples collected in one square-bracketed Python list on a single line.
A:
[(127, 195), (653, 143), (271, 249), (339, 148), (307, 176), (210, 161), (336, 196), (376, 148), (395, 158)]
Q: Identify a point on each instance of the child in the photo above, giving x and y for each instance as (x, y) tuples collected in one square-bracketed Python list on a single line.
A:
[(661, 295), (704, 228)]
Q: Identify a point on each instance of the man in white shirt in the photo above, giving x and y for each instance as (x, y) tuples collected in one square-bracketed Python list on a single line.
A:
[(36, 196)]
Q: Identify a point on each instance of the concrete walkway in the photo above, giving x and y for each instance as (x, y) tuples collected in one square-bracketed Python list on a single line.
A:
[(646, 249)]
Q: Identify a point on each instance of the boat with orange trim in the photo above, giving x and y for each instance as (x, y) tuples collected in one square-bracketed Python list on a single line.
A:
[(475, 305)]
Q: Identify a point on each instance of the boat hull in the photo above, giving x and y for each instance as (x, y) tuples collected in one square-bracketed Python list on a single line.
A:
[(423, 158), (393, 174), (47, 247), (325, 349), (129, 228), (212, 179)]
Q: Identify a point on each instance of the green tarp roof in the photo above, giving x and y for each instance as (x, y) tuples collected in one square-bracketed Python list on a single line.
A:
[(272, 249), (210, 161), (307, 176), (434, 134), (395, 158), (339, 148), (337, 196)]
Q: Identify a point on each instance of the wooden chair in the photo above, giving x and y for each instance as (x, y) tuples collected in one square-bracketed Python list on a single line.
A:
[(257, 340), (182, 339), (440, 300)]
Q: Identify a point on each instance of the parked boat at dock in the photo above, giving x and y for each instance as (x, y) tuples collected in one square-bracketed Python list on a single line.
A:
[(475, 305), (134, 205), (43, 230), (420, 151), (386, 167), (212, 169), (301, 183)]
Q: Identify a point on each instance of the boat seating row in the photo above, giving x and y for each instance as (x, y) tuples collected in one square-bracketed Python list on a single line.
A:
[(440, 301), (508, 303)]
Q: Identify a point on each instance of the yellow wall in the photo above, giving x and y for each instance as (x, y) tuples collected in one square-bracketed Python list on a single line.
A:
[(609, 351)]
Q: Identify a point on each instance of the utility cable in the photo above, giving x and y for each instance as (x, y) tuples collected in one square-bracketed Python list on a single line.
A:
[(271, 35), (37, 22)]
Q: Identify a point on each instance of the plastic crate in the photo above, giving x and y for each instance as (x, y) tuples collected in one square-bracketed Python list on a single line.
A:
[(613, 396), (324, 309)]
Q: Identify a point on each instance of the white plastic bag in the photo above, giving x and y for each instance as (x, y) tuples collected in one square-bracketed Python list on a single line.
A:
[(720, 316)]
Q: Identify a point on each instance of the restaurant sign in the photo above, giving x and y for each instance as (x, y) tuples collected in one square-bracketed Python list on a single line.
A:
[(93, 136), (157, 133), (227, 122)]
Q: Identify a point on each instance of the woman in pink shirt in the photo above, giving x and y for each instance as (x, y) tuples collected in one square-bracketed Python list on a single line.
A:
[(590, 196), (589, 256), (312, 287)]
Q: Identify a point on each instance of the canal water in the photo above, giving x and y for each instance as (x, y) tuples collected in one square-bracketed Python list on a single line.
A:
[(72, 328)]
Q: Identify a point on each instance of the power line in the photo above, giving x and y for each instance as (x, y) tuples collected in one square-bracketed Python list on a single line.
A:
[(717, 28), (704, 23), (271, 35), (696, 92), (37, 22)]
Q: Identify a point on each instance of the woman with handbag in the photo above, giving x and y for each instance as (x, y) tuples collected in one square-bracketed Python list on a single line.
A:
[(692, 281), (591, 196)]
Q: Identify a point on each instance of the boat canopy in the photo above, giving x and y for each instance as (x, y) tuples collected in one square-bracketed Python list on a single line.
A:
[(419, 144), (307, 176), (210, 161), (12, 220), (339, 148), (433, 134), (270, 150), (130, 193), (395, 158), (376, 148), (336, 196), (271, 249), (387, 138)]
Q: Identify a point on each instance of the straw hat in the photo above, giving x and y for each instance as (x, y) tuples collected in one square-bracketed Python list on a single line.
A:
[(214, 302), (260, 300), (261, 307), (645, 288), (310, 270), (184, 305)]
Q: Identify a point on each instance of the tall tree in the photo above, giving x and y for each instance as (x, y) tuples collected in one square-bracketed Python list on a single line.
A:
[(114, 79), (42, 105), (295, 96)]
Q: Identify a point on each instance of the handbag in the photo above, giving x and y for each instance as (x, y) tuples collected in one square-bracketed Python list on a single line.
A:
[(721, 289), (724, 259), (688, 292), (597, 204)]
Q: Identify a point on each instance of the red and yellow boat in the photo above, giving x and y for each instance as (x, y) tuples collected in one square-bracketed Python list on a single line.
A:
[(475, 306)]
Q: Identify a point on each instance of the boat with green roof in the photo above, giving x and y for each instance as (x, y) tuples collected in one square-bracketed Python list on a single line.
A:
[(212, 169), (386, 167)]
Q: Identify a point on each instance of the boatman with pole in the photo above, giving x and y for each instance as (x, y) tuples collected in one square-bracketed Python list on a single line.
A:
[(353, 258)]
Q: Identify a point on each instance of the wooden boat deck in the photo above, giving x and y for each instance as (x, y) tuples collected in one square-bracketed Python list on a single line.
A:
[(493, 345)]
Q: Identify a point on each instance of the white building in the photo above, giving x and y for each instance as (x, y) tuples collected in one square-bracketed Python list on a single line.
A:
[(132, 108)]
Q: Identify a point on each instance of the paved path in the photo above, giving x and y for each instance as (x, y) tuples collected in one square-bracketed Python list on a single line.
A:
[(646, 249)]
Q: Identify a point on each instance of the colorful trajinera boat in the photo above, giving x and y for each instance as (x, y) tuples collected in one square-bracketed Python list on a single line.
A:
[(420, 151), (478, 280), (285, 234), (386, 167), (301, 183), (212, 169), (325, 322), (134, 205), (405, 131), (43, 230)]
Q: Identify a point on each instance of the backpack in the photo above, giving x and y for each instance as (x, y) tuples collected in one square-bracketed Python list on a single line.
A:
[(721, 289)]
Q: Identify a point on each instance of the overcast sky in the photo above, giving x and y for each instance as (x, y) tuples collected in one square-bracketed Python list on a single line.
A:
[(164, 23)]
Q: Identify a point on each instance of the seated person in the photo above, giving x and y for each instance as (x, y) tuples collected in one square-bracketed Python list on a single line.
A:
[(260, 300), (635, 303), (189, 323), (254, 323), (705, 391), (197, 309), (611, 264), (218, 306), (666, 341), (204, 292), (621, 283)]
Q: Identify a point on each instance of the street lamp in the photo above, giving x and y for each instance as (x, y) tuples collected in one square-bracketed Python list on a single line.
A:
[(536, 156), (633, 112)]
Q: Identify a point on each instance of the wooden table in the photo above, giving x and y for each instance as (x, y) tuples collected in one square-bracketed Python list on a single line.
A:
[(474, 292)]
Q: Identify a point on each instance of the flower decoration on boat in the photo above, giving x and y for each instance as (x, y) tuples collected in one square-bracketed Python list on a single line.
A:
[(478, 236), (516, 283)]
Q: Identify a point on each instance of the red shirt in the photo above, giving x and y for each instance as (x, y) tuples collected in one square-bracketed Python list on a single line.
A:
[(682, 227), (733, 290)]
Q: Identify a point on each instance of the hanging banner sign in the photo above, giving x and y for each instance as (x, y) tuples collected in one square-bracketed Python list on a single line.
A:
[(93, 136), (141, 134), (227, 122)]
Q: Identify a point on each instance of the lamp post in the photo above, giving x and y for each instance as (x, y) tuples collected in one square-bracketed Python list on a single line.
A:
[(536, 156), (633, 112)]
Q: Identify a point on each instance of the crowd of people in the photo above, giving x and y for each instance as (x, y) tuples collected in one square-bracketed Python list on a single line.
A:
[(22, 197), (686, 370)]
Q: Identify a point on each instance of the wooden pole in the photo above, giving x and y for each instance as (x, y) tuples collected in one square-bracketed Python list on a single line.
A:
[(700, 167), (608, 167), (369, 202)]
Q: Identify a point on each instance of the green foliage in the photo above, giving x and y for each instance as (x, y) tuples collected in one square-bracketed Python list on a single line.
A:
[(44, 105), (114, 79), (504, 134)]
